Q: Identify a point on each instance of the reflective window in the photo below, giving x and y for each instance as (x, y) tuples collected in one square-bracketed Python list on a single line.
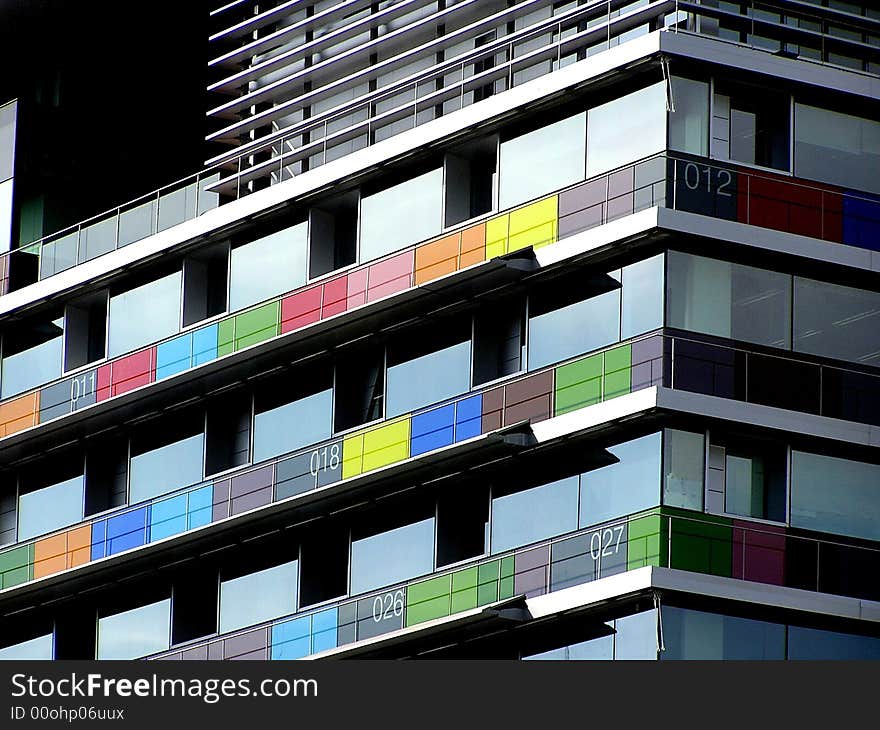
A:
[(401, 215), (592, 650), (412, 548), (849, 157), (728, 300), (691, 634), (257, 597), (166, 468), (534, 514), (290, 426), (836, 321), (689, 122), (626, 129), (35, 649), (542, 161), (642, 304), (50, 508), (145, 314), (560, 328), (636, 636), (804, 643), (631, 485), (7, 140), (747, 477), (752, 125), (835, 495), (269, 266), (683, 469), (31, 356), (416, 381), (135, 633)]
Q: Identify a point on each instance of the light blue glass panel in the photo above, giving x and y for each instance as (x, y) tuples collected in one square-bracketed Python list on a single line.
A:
[(636, 636), (412, 548), (291, 639), (534, 514), (428, 379), (642, 305), (135, 633), (594, 650), (167, 468), (205, 344), (174, 356), (34, 366), (300, 423), (199, 507), (144, 315), (275, 587), (324, 630), (168, 517), (35, 649), (50, 508), (269, 266)]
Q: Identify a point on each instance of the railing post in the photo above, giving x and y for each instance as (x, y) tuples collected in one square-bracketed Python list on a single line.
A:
[(118, 227)]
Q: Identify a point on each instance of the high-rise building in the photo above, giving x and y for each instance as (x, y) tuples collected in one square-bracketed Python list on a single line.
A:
[(489, 329)]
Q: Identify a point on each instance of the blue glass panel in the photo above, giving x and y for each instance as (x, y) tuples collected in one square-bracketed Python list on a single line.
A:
[(432, 430), (861, 221), (205, 345), (173, 357), (468, 418), (99, 539), (168, 517), (200, 507), (324, 630), (290, 640), (127, 530)]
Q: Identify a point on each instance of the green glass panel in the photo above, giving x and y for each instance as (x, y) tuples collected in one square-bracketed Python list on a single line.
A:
[(16, 566), (225, 337), (701, 544), (464, 590), (257, 325), (618, 363), (578, 384), (645, 541), (507, 567), (506, 590), (428, 600)]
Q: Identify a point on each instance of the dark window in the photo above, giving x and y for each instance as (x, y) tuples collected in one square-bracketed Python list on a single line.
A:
[(462, 524), (85, 330), (228, 433), (471, 171), (333, 234), (205, 276), (499, 341), (360, 385)]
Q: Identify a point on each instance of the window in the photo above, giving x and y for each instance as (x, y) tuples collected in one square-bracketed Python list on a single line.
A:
[(257, 597), (412, 546), (34, 649), (691, 634), (689, 121), (683, 469), (642, 304), (629, 486), (751, 125), (333, 234), (806, 643), (8, 114), (836, 321), (228, 432), (598, 649), (290, 415), (51, 508), (85, 330), (359, 387), (471, 171), (160, 465), (462, 523), (499, 340), (835, 495), (533, 514), (135, 633), (31, 355), (746, 477), (728, 300), (402, 215), (142, 315), (205, 275), (848, 156), (572, 320), (542, 161), (626, 129), (631, 637), (272, 265), (418, 378)]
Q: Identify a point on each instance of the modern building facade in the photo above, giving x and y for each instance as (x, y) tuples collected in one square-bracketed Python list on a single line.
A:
[(499, 330)]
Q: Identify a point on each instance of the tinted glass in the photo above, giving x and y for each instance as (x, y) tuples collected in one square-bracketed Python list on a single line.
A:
[(50, 508), (542, 161), (37, 649), (629, 486), (534, 514), (636, 636), (642, 304), (412, 548), (258, 597), (804, 643), (269, 266), (136, 633), (697, 635), (31, 359), (683, 469), (293, 425), (7, 140), (167, 468), (401, 215), (428, 379), (145, 314), (689, 123), (594, 649)]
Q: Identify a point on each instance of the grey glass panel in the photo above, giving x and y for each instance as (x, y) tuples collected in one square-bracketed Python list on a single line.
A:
[(177, 206), (58, 255), (836, 148), (534, 514), (629, 486), (594, 649), (144, 315), (269, 266), (35, 649), (401, 215), (728, 300), (50, 508), (97, 239), (428, 379), (574, 329), (691, 634), (626, 129), (542, 161), (8, 114), (804, 643), (289, 427), (167, 468), (34, 366), (683, 469), (6, 215), (257, 597), (137, 223), (135, 633), (412, 549), (835, 495), (636, 636), (642, 305), (836, 321), (689, 123)]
